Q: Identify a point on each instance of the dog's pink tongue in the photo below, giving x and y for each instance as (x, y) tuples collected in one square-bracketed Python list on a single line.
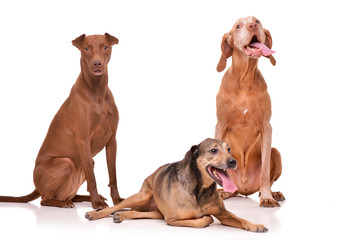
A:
[(264, 49), (228, 185)]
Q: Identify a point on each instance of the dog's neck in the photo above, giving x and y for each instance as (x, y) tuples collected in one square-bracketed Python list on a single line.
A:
[(244, 70), (197, 184), (95, 86)]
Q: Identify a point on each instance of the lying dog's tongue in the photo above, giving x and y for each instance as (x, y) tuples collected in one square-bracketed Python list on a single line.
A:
[(264, 49), (228, 185)]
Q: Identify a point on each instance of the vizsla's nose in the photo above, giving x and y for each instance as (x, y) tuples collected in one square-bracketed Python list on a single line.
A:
[(97, 63), (252, 26)]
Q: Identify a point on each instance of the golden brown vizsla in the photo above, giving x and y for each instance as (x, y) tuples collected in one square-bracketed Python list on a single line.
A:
[(83, 126), (244, 110), (184, 193)]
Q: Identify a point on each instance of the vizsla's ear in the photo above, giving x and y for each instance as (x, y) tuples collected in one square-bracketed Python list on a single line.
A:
[(77, 42), (226, 51), (111, 39), (192, 154), (268, 43)]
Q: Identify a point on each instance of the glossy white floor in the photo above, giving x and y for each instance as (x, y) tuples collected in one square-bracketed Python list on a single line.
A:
[(164, 81), (297, 218), (26, 220)]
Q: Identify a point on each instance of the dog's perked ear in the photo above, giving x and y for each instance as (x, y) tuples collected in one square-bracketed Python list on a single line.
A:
[(226, 51), (111, 39), (77, 42), (192, 154), (268, 43)]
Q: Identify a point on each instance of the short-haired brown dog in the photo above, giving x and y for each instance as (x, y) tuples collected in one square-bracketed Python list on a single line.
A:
[(184, 193), (83, 126), (244, 110)]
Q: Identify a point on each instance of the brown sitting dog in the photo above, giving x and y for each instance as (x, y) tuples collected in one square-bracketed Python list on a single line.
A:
[(83, 126), (244, 111), (184, 193)]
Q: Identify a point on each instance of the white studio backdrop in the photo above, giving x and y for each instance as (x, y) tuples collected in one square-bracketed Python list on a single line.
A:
[(164, 80)]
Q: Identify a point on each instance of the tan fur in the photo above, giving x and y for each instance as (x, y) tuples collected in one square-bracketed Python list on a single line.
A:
[(183, 193), (85, 124), (244, 112)]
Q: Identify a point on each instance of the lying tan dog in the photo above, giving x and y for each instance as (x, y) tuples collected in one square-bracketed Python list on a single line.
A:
[(184, 193), (83, 126), (244, 111)]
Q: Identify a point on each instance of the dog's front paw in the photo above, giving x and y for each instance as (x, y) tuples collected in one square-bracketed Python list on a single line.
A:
[(260, 228), (268, 203), (102, 198), (91, 215), (118, 200), (255, 228), (118, 217), (278, 196), (100, 204)]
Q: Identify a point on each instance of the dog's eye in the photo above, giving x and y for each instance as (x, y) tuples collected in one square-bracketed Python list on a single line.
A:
[(229, 149), (106, 47), (86, 49), (214, 150), (238, 26), (257, 21)]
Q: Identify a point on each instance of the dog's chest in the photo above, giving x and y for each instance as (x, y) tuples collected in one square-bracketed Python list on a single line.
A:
[(244, 106), (103, 127)]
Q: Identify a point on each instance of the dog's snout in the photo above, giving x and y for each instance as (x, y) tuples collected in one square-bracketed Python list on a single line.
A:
[(231, 163), (97, 63), (252, 26)]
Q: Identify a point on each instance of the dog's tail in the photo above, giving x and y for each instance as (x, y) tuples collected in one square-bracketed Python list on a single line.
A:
[(24, 199)]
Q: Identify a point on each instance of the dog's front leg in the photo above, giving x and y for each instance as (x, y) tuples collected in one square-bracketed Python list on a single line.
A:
[(228, 219), (266, 198), (87, 162), (111, 160)]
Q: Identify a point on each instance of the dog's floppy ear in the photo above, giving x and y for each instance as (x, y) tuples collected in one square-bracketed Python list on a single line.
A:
[(268, 43), (77, 42), (111, 39), (226, 51), (192, 154)]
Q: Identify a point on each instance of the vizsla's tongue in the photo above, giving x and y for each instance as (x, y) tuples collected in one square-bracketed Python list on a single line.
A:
[(264, 49), (228, 185)]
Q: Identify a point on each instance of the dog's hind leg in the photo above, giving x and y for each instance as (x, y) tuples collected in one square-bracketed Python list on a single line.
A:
[(122, 215), (195, 223), (53, 180), (138, 201)]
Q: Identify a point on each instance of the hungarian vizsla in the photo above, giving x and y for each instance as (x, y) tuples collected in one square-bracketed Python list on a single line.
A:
[(244, 110), (83, 126)]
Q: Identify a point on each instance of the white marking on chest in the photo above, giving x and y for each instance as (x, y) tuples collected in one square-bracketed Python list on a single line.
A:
[(245, 111)]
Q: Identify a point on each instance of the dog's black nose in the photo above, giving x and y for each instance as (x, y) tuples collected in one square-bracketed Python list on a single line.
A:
[(231, 163)]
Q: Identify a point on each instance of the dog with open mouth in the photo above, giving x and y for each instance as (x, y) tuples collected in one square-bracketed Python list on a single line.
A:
[(244, 110), (184, 193)]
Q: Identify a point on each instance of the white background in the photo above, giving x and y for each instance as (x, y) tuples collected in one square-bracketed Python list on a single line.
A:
[(164, 80)]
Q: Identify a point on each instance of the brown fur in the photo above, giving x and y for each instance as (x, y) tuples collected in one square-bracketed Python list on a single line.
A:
[(183, 193), (83, 126), (243, 114)]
